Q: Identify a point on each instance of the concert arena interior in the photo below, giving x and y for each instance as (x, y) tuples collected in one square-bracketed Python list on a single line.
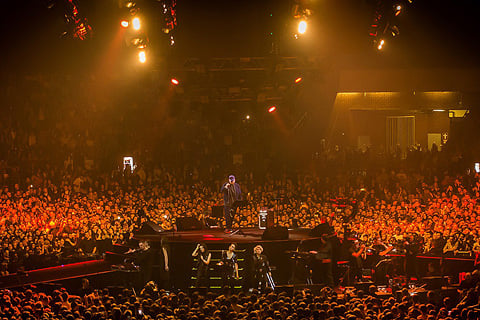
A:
[(276, 159)]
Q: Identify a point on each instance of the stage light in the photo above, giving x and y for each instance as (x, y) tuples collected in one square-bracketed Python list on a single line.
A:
[(272, 109), (174, 81), (380, 44), (247, 117), (129, 4), (142, 57), (298, 80), (124, 23), (82, 31), (395, 31), (398, 10), (136, 23), (139, 42), (302, 27)]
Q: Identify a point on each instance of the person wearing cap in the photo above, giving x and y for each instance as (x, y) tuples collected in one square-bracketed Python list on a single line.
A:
[(231, 193)]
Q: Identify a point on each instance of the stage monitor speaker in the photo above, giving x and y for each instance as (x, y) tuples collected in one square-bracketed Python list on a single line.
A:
[(188, 223), (149, 228), (435, 283), (320, 230), (275, 233), (363, 285)]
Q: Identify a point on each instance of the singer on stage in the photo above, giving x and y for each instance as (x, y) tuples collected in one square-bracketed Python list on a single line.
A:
[(231, 193)]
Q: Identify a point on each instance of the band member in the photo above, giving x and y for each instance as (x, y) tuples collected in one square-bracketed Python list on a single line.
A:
[(231, 193), (261, 268), (380, 261), (230, 266), (322, 263), (161, 274), (412, 249), (143, 258), (203, 260), (356, 251)]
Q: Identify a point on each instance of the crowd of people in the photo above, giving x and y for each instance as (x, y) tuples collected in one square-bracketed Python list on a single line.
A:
[(66, 196), (46, 223), (154, 303)]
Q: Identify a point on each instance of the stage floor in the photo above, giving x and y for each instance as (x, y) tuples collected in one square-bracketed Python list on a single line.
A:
[(217, 235)]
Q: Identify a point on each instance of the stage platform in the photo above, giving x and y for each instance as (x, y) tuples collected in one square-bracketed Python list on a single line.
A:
[(217, 235), (56, 274), (180, 246)]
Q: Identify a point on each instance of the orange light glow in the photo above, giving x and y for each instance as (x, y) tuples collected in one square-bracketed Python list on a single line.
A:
[(272, 109), (174, 81), (124, 23)]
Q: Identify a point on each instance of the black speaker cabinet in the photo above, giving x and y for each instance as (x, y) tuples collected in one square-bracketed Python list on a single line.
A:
[(188, 223), (275, 233), (149, 228)]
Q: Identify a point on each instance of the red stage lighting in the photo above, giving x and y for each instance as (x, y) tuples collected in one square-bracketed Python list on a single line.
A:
[(298, 80), (272, 109), (174, 81), (124, 23)]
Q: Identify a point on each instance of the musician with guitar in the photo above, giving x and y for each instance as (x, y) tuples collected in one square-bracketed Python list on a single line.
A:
[(380, 260)]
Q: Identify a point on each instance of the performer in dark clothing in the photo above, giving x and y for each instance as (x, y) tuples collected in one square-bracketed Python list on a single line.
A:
[(163, 264), (231, 193), (261, 267), (203, 260), (143, 258), (356, 250), (230, 266), (380, 262), (412, 249), (322, 264)]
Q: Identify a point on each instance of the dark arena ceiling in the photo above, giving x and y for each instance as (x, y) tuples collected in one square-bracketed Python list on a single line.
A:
[(429, 33)]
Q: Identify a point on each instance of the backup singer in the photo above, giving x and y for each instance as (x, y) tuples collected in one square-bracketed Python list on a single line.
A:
[(261, 267), (231, 193), (230, 266), (203, 260)]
